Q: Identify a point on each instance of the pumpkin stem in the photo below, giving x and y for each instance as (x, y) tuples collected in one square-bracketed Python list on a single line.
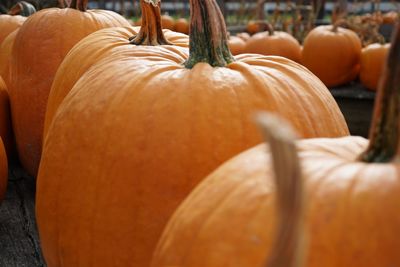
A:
[(79, 5), (22, 8), (151, 30), (208, 37), (338, 23), (288, 249), (384, 133)]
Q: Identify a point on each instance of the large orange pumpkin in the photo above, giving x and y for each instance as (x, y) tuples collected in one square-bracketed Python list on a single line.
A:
[(6, 133), (8, 24), (5, 56), (3, 171), (51, 33), (353, 200), (141, 131), (333, 54), (103, 43), (373, 59), (275, 43)]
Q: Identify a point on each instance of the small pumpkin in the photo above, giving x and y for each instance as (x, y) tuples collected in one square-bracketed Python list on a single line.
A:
[(373, 59), (333, 54), (6, 132), (127, 107), (3, 171), (275, 43), (390, 17), (167, 22), (51, 32), (253, 27), (182, 26), (352, 187), (244, 36), (236, 45), (5, 56)]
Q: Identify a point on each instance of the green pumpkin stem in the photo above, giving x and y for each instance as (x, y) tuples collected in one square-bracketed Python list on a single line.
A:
[(288, 249), (79, 5), (384, 133), (151, 32), (22, 8), (208, 36)]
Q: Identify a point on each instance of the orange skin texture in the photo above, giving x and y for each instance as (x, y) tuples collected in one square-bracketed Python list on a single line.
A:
[(86, 53), (167, 22), (8, 24), (352, 211), (390, 17), (182, 26), (55, 31), (169, 127), (244, 36), (277, 44), (6, 132), (236, 45), (3, 171), (333, 56), (5, 56), (252, 27), (373, 59)]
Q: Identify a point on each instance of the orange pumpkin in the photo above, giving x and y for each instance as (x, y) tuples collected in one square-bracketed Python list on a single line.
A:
[(8, 24), (350, 193), (373, 59), (101, 44), (55, 31), (182, 25), (168, 22), (5, 56), (244, 36), (253, 27), (390, 17), (274, 43), (130, 127), (6, 133), (236, 45), (3, 171), (333, 54)]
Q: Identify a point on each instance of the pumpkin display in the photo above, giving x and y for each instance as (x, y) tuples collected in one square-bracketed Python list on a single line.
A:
[(130, 127), (5, 56), (333, 54), (103, 43), (55, 31), (373, 59), (352, 187), (167, 22), (6, 133), (3, 171), (275, 43), (182, 26), (236, 45), (8, 24)]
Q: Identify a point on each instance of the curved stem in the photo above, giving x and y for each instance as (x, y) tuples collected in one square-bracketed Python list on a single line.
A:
[(338, 23), (79, 5), (151, 30), (384, 132), (22, 8), (208, 36), (288, 248)]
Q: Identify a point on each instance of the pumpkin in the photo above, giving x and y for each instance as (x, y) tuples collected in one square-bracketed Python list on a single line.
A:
[(3, 171), (253, 27), (6, 133), (167, 22), (353, 198), (5, 56), (8, 24), (244, 36), (130, 127), (55, 31), (333, 54), (101, 44), (274, 43), (236, 45), (373, 59), (182, 25), (390, 17)]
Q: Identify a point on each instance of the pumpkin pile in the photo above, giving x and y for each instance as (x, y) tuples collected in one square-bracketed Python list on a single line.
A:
[(179, 25)]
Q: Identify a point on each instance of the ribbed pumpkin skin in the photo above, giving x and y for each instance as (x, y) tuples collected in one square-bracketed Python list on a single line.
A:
[(141, 132), (6, 132), (352, 215), (89, 51), (236, 45), (333, 56), (372, 61), (5, 56), (55, 31), (168, 22), (3, 171), (182, 25), (278, 44), (8, 24)]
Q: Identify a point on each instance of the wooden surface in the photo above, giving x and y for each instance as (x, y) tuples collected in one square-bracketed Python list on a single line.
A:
[(19, 246)]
